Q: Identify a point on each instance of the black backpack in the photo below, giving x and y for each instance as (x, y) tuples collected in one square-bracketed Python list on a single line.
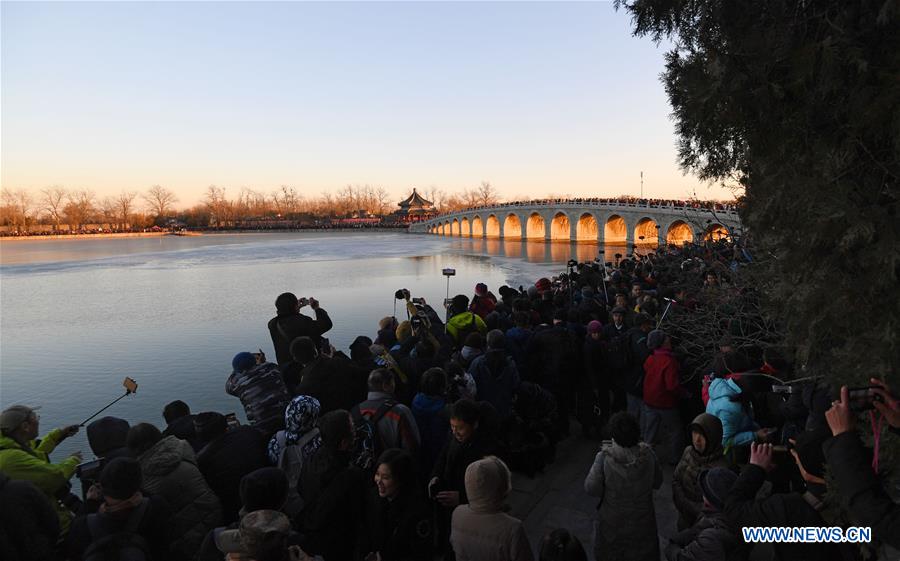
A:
[(368, 440), (126, 545)]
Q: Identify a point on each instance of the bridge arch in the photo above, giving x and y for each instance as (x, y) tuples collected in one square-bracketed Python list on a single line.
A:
[(679, 233), (465, 228), (615, 230), (560, 228), (512, 226), (646, 232), (535, 227), (477, 227), (587, 228), (715, 232), (492, 226), (454, 227)]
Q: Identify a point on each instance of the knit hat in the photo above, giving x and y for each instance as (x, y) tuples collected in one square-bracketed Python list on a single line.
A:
[(543, 284), (264, 488), (404, 331), (106, 434), (209, 425), (243, 361), (15, 415), (715, 484), (594, 326), (487, 484), (121, 478), (655, 339), (264, 531), (481, 289), (809, 449)]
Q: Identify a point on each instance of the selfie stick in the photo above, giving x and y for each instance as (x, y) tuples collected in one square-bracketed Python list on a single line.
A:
[(666, 311), (84, 422)]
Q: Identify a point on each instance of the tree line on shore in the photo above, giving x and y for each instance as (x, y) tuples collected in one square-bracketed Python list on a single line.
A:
[(69, 209)]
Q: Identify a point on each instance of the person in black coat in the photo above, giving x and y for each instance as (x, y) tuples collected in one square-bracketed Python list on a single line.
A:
[(226, 457), (336, 381), (398, 518), (554, 356), (470, 441), (111, 510), (333, 490), (290, 324), (28, 524), (851, 467), (180, 423), (743, 509)]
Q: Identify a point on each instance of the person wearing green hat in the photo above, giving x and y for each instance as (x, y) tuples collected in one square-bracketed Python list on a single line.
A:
[(21, 458)]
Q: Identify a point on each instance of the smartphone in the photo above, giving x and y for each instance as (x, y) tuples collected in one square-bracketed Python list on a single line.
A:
[(419, 301), (129, 385), (89, 469)]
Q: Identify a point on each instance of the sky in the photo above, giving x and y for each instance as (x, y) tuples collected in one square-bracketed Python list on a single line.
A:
[(537, 98)]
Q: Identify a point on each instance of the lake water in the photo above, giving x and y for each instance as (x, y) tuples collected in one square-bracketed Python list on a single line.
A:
[(78, 315)]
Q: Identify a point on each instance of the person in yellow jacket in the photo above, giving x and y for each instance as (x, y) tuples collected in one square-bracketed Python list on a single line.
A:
[(462, 322), (21, 459)]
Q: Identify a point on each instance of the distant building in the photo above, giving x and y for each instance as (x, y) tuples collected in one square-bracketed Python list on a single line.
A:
[(414, 208)]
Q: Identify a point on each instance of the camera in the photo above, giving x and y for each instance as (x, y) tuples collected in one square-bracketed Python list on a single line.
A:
[(448, 272), (863, 399), (303, 301), (401, 294), (418, 301), (572, 263), (415, 322)]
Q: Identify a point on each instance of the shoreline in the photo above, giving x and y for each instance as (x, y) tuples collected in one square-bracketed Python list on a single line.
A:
[(191, 233)]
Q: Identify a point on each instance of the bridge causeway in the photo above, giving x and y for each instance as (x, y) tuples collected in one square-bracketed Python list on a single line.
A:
[(588, 220)]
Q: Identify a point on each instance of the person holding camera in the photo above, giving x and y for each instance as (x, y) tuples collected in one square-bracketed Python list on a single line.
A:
[(855, 478), (21, 458), (290, 324)]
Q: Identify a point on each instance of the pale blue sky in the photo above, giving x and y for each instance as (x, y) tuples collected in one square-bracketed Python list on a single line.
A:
[(537, 98)]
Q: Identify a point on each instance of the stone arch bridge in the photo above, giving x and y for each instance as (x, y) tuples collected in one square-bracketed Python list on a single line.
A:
[(588, 220)]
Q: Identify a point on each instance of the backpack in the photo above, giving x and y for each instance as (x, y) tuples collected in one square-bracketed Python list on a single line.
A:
[(368, 440), (126, 545), (290, 461)]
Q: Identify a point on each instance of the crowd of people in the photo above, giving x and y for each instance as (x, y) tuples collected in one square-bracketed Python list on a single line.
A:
[(402, 448)]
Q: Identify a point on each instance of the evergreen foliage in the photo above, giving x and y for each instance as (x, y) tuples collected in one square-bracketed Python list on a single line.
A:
[(800, 102)]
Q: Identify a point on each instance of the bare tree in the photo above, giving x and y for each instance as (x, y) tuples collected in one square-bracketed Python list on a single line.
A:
[(382, 199), (79, 208), (487, 194), (108, 209), (160, 200), (53, 199), (216, 204), (18, 206), (125, 206)]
